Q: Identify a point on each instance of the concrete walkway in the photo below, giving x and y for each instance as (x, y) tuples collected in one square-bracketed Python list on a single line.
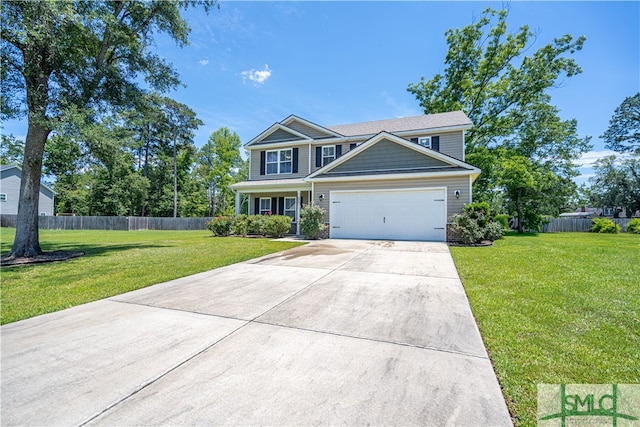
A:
[(337, 332)]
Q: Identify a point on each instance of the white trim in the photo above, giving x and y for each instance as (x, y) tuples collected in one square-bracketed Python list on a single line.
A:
[(397, 176), (309, 170), (317, 127), (322, 148), (278, 162), (464, 147), (426, 140), (295, 209), (374, 190), (272, 129), (470, 189), (260, 206)]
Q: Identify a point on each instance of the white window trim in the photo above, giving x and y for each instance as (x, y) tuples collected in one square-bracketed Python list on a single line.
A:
[(324, 156), (278, 162), (264, 211), (3, 197), (291, 210), (424, 141)]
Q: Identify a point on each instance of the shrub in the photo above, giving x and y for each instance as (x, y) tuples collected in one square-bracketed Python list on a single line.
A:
[(604, 225), (276, 225), (255, 224), (240, 225), (474, 226), (634, 226), (220, 225), (502, 219), (311, 221)]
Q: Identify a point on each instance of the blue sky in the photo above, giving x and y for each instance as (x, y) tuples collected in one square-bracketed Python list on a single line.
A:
[(251, 64)]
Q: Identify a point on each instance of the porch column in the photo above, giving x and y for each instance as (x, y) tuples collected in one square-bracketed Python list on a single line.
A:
[(298, 214), (237, 203)]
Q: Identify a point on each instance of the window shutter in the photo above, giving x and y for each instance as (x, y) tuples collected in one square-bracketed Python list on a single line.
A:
[(263, 161), (280, 206), (435, 143), (352, 146), (274, 205), (414, 140), (318, 157), (294, 168), (256, 206), (338, 150)]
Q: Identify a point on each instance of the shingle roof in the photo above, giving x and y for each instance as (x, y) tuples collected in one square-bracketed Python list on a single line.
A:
[(429, 121)]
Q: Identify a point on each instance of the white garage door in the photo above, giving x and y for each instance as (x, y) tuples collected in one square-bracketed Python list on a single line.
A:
[(414, 214)]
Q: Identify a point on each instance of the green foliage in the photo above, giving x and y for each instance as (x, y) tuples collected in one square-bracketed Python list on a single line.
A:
[(474, 224), (634, 226), (276, 225), (604, 225), (240, 225), (220, 225), (502, 219), (623, 134), (312, 221), (255, 224), (504, 92), (616, 183), (218, 164), (11, 150)]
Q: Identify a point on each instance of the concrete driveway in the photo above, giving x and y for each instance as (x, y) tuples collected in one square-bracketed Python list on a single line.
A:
[(334, 332)]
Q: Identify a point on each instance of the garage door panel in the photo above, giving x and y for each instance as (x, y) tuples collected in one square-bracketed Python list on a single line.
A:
[(417, 214)]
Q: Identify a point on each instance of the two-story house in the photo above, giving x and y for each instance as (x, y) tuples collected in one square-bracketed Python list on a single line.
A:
[(388, 179), (10, 177)]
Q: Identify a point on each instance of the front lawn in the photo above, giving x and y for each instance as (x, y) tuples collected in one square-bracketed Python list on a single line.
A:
[(556, 308), (115, 262)]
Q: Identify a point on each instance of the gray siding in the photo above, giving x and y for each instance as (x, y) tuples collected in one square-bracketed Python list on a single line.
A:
[(279, 136), (452, 184), (307, 130), (387, 155), (10, 185), (345, 150), (303, 165), (452, 144)]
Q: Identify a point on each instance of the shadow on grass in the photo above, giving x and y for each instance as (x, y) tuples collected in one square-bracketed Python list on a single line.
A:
[(89, 250), (523, 235)]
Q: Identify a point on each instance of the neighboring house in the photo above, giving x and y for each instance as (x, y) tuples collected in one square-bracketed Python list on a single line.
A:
[(389, 179), (10, 192)]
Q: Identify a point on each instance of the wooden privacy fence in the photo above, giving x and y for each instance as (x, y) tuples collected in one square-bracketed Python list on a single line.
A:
[(124, 223), (578, 224)]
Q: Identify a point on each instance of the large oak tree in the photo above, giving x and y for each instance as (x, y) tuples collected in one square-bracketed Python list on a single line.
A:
[(87, 56)]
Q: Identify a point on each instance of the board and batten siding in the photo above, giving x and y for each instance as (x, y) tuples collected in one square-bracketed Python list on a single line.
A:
[(279, 135), (303, 165), (387, 155), (461, 183)]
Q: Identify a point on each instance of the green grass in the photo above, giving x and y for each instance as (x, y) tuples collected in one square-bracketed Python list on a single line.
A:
[(115, 262), (556, 308)]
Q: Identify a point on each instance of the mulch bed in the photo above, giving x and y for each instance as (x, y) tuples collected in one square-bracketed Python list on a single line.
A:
[(54, 256)]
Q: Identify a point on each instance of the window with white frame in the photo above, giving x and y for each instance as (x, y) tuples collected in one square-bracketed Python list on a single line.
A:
[(425, 141), (290, 207), (265, 206), (279, 161), (328, 154), (3, 197)]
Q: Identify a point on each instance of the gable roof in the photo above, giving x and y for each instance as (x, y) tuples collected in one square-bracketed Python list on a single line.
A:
[(455, 165), (454, 119), (275, 128), (8, 167), (298, 123)]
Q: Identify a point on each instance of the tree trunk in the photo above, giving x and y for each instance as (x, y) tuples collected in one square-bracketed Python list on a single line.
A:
[(519, 211), (26, 243), (175, 174)]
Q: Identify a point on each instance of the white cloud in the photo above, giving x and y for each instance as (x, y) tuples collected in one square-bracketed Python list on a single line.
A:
[(258, 77), (203, 62), (589, 159)]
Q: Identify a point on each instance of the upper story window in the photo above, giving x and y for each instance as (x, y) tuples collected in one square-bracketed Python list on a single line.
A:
[(425, 141), (432, 142), (328, 154), (3, 197), (279, 161)]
